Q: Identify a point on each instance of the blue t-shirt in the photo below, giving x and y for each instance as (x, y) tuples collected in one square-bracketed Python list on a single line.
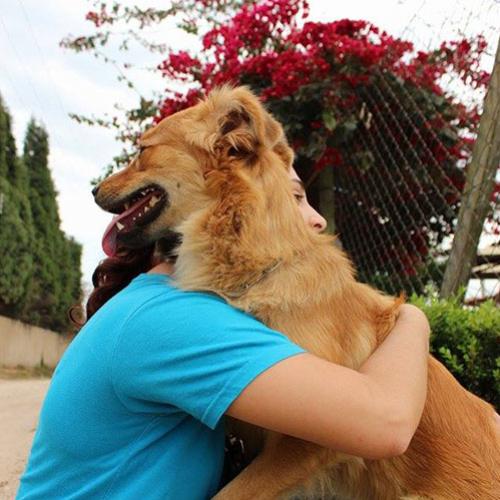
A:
[(134, 407)]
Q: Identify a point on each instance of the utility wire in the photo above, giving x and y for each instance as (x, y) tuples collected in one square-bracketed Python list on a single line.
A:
[(43, 59), (22, 65)]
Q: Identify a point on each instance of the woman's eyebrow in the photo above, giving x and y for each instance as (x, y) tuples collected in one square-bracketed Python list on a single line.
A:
[(300, 183)]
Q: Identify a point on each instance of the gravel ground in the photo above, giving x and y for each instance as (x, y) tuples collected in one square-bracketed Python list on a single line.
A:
[(20, 402)]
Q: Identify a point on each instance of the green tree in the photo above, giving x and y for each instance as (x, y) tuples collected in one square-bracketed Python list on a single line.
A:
[(40, 277), (16, 227), (44, 288), (56, 279), (71, 278)]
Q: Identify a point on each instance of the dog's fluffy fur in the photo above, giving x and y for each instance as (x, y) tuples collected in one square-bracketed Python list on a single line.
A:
[(223, 164)]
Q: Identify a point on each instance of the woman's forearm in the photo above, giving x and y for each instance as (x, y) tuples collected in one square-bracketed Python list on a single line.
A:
[(397, 370), (371, 413)]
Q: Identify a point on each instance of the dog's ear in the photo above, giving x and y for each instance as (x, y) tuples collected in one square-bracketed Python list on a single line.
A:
[(166, 130), (284, 151), (149, 138), (154, 135), (245, 126)]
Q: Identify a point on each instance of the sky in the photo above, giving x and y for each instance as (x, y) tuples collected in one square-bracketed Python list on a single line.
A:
[(40, 79)]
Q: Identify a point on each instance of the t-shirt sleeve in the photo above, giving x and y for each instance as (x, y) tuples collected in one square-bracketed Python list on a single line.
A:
[(195, 352)]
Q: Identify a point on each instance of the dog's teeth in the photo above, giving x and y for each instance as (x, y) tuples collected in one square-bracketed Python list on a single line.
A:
[(127, 205), (146, 209), (120, 226), (154, 200)]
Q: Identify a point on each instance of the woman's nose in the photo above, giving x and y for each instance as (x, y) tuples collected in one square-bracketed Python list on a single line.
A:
[(317, 222)]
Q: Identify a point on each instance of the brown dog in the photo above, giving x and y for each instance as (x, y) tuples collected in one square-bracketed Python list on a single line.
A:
[(217, 174)]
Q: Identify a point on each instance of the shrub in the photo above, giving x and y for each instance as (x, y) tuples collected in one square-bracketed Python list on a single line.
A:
[(467, 341)]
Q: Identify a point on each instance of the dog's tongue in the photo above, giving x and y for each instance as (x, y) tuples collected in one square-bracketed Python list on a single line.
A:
[(109, 243), (109, 238)]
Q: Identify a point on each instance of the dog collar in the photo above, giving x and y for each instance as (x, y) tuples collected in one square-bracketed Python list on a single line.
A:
[(235, 294)]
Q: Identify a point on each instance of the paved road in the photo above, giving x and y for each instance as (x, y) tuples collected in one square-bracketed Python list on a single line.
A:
[(20, 402)]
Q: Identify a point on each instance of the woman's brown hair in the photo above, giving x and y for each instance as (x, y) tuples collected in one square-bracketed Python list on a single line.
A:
[(112, 275), (115, 273)]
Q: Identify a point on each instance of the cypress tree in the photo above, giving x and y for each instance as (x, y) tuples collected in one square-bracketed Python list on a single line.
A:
[(40, 277), (56, 280), (71, 277), (16, 228), (5, 132), (45, 289)]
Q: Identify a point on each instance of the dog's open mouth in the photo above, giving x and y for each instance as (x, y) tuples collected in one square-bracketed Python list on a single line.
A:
[(136, 210)]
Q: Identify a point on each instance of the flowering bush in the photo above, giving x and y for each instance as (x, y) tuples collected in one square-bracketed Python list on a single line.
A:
[(350, 96)]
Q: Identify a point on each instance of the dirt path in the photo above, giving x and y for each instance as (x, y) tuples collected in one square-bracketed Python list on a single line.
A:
[(20, 402)]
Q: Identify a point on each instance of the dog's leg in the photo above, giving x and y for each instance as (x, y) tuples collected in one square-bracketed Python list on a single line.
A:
[(285, 463)]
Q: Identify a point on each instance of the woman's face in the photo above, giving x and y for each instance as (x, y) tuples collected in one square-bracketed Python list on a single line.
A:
[(313, 219)]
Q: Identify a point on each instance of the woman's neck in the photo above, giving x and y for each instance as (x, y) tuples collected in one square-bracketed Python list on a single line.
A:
[(164, 267)]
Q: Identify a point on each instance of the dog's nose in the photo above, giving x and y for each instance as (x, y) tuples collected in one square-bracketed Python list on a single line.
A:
[(95, 190)]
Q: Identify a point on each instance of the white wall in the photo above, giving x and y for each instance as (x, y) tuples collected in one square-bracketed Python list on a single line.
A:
[(26, 345)]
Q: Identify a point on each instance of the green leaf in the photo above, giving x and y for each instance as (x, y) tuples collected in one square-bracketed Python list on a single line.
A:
[(329, 120)]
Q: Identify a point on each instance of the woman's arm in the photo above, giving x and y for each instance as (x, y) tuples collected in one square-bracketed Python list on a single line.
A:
[(372, 413)]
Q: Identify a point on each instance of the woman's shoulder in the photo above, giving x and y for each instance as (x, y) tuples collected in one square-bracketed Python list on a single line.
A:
[(163, 288), (156, 296)]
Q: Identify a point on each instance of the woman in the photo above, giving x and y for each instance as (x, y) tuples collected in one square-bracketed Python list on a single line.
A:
[(135, 406)]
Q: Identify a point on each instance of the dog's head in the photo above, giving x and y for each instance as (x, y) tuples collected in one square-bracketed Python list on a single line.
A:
[(167, 181)]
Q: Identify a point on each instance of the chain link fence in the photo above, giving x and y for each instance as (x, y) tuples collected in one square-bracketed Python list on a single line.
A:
[(402, 203)]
